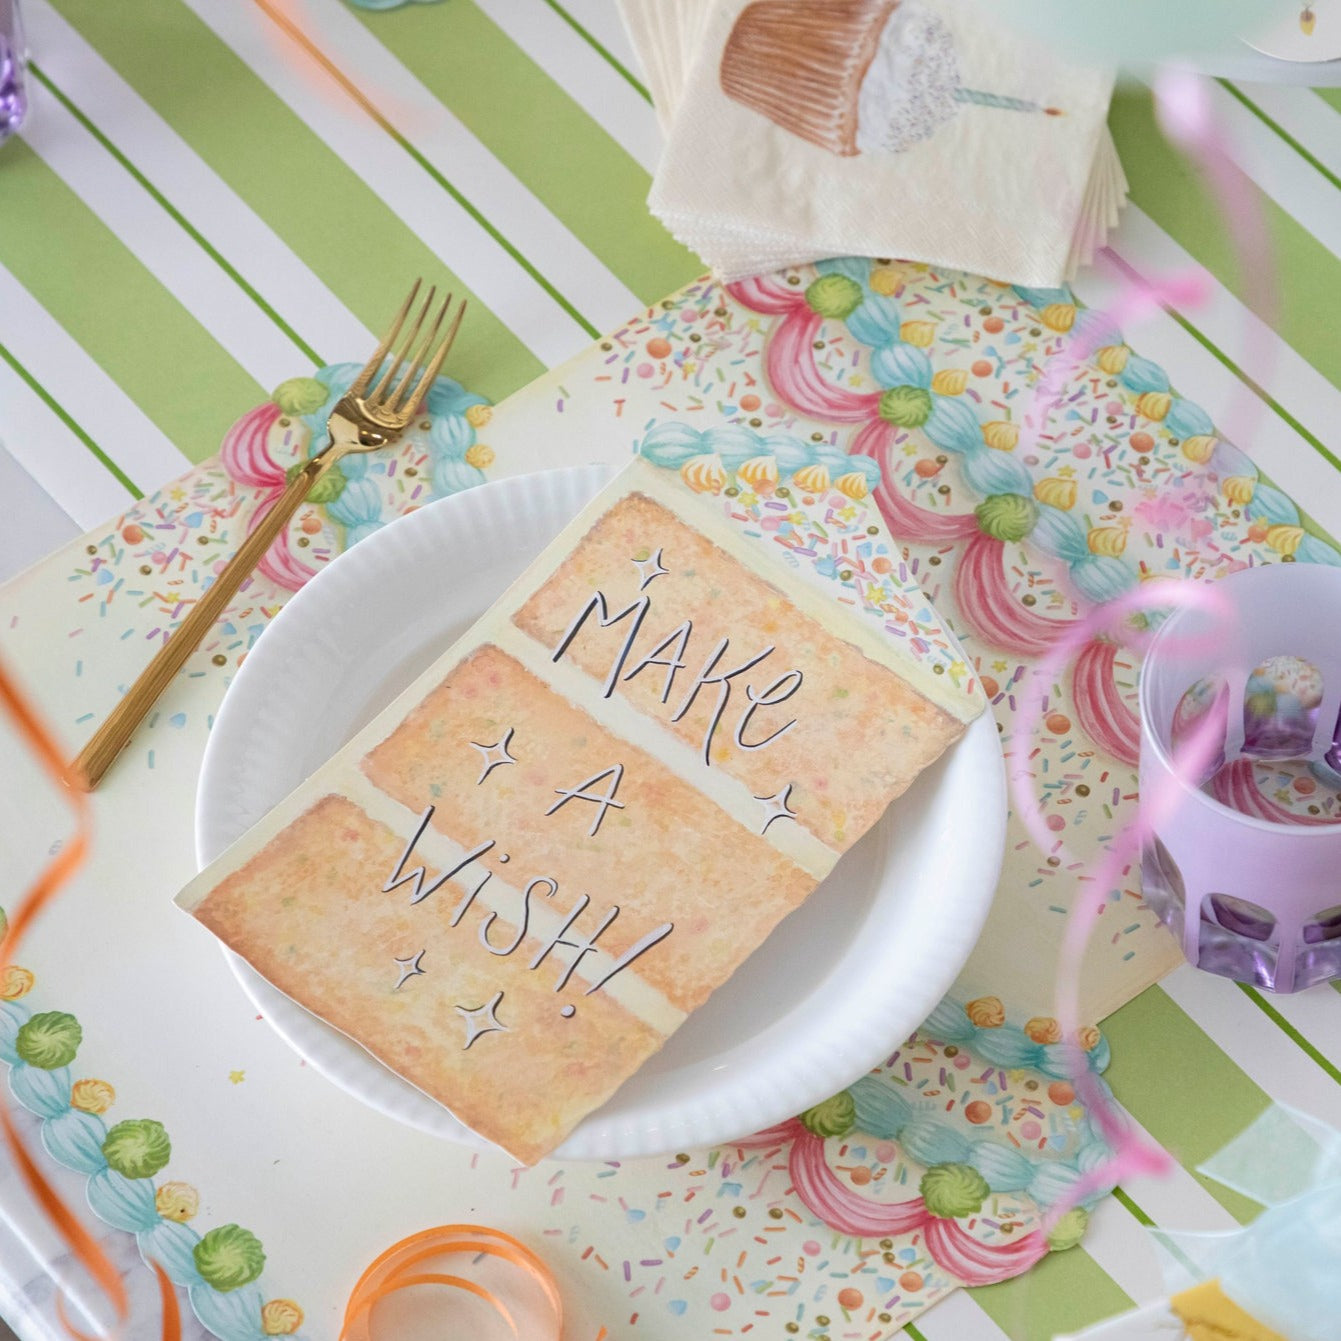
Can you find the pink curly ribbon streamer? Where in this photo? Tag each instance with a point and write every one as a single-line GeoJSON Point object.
{"type": "Point", "coordinates": [246, 457]}
{"type": "Point", "coordinates": [1132, 1155]}
{"type": "Point", "coordinates": [1235, 787]}
{"type": "Point", "coordinates": [838, 1206]}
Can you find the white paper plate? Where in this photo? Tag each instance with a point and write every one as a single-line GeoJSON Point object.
{"type": "Point", "coordinates": [837, 985]}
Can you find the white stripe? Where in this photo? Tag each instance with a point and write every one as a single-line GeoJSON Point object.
{"type": "Point", "coordinates": [447, 143]}
{"type": "Point", "coordinates": [1291, 461]}
{"type": "Point", "coordinates": [601, 19]}
{"type": "Point", "coordinates": [220, 216]}
{"type": "Point", "coordinates": [62, 466]}
{"type": "Point", "coordinates": [443, 225]}
{"type": "Point", "coordinates": [155, 239]}
{"type": "Point", "coordinates": [1175, 1200]}
{"type": "Point", "coordinates": [1316, 1013]}
{"type": "Point", "coordinates": [1294, 184]}
{"type": "Point", "coordinates": [1301, 112]}
{"type": "Point", "coordinates": [89, 395]}
{"type": "Point", "coordinates": [608, 98]}
{"type": "Point", "coordinates": [1122, 1249]}
{"type": "Point", "coordinates": [957, 1317]}
{"type": "Point", "coordinates": [1250, 1040]}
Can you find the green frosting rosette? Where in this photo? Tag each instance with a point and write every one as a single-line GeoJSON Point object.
{"type": "Point", "coordinates": [1007, 516]}
{"type": "Point", "coordinates": [906, 406]}
{"type": "Point", "coordinates": [952, 1191]}
{"type": "Point", "coordinates": [326, 490]}
{"type": "Point", "coordinates": [229, 1257]}
{"type": "Point", "coordinates": [49, 1040]}
{"type": "Point", "coordinates": [300, 395]}
{"type": "Point", "coordinates": [1069, 1229]}
{"type": "Point", "coordinates": [834, 1117]}
{"type": "Point", "coordinates": [834, 296]}
{"type": "Point", "coordinates": [137, 1148]}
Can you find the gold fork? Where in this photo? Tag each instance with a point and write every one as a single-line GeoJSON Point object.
{"type": "Point", "coordinates": [362, 421]}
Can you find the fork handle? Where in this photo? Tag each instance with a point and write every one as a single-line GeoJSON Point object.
{"type": "Point", "coordinates": [111, 737]}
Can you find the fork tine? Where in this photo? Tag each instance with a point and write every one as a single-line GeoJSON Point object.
{"type": "Point", "coordinates": [378, 393]}
{"type": "Point", "coordinates": [396, 400]}
{"type": "Point", "coordinates": [360, 384]}
{"type": "Point", "coordinates": [435, 366]}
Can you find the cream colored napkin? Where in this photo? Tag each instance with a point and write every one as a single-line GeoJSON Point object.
{"type": "Point", "coordinates": [799, 129]}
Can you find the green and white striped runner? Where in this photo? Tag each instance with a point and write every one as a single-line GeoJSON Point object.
{"type": "Point", "coordinates": [199, 210]}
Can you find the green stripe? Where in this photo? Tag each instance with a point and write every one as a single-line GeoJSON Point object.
{"type": "Point", "coordinates": [1289, 1030]}
{"type": "Point", "coordinates": [1330, 95]}
{"type": "Point", "coordinates": [540, 135]}
{"type": "Point", "coordinates": [1124, 1199]}
{"type": "Point", "coordinates": [603, 51]}
{"type": "Point", "coordinates": [1306, 279]}
{"type": "Point", "coordinates": [177, 217]}
{"type": "Point", "coordinates": [123, 317]}
{"type": "Point", "coordinates": [71, 423]}
{"type": "Point", "coordinates": [350, 239]}
{"type": "Point", "coordinates": [1181, 1087]}
{"type": "Point", "coordinates": [1280, 130]}
{"type": "Point", "coordinates": [910, 1331]}
{"type": "Point", "coordinates": [1065, 1292]}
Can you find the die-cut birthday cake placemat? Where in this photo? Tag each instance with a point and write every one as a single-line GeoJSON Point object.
{"type": "Point", "coordinates": [518, 881]}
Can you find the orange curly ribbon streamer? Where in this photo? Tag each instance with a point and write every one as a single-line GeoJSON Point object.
{"type": "Point", "coordinates": [83, 1246]}
{"type": "Point", "coordinates": [396, 1269]}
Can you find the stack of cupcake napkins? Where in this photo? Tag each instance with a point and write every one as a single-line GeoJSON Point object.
{"type": "Point", "coordinates": [919, 129]}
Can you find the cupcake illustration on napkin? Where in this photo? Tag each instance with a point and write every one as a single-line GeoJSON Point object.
{"type": "Point", "coordinates": [852, 76]}
{"type": "Point", "coordinates": [922, 129]}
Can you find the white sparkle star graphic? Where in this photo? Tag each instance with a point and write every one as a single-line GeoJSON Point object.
{"type": "Point", "coordinates": [409, 968]}
{"type": "Point", "coordinates": [649, 569]}
{"type": "Point", "coordinates": [482, 1020]}
{"type": "Point", "coordinates": [495, 756]}
{"type": "Point", "coordinates": [776, 807]}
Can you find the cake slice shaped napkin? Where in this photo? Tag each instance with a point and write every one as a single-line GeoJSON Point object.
{"type": "Point", "coordinates": [521, 878]}
{"type": "Point", "coordinates": [923, 129]}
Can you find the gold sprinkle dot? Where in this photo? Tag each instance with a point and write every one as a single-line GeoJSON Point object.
{"type": "Point", "coordinates": [938, 669]}
{"type": "Point", "coordinates": [950, 1051]}
{"type": "Point", "coordinates": [146, 569]}
{"type": "Point", "coordinates": [819, 344]}
{"type": "Point", "coordinates": [756, 423]}
{"type": "Point", "coordinates": [1082, 789]}
{"type": "Point", "coordinates": [822, 1319]}
{"type": "Point", "coordinates": [934, 561]}
{"type": "Point", "coordinates": [202, 540]}
{"type": "Point", "coordinates": [303, 541]}
{"type": "Point", "coordinates": [1054, 861]}
{"type": "Point", "coordinates": [606, 345]}
{"type": "Point", "coordinates": [775, 1212]}
{"type": "Point", "coordinates": [793, 279]}
{"type": "Point", "coordinates": [682, 1158]}
{"type": "Point", "coordinates": [410, 470]}
{"type": "Point", "coordinates": [219, 659]}
{"type": "Point", "coordinates": [694, 337]}
{"type": "Point", "coordinates": [1030, 599]}
{"type": "Point", "coordinates": [283, 422]}
{"type": "Point", "coordinates": [886, 1243]}
{"type": "Point", "coordinates": [90, 549]}
{"type": "Point", "coordinates": [738, 1212]}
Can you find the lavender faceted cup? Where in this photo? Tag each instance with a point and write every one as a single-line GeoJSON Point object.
{"type": "Point", "coordinates": [13, 55]}
{"type": "Point", "coordinates": [1251, 898]}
